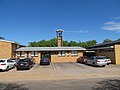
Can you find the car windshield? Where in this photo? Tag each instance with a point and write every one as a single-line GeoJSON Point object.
{"type": "Point", "coordinates": [45, 58]}
{"type": "Point", "coordinates": [2, 60]}
{"type": "Point", "coordinates": [105, 57]}
{"type": "Point", "coordinates": [13, 59]}
{"type": "Point", "coordinates": [100, 58]}
{"type": "Point", "coordinates": [23, 60]}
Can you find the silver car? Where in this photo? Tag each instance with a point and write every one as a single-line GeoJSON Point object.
{"type": "Point", "coordinates": [108, 60]}
{"type": "Point", "coordinates": [97, 61]}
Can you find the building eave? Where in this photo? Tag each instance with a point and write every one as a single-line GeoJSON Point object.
{"type": "Point", "coordinates": [110, 47]}
{"type": "Point", "coordinates": [105, 44]}
{"type": "Point", "coordinates": [49, 48]}
{"type": "Point", "coordinates": [11, 42]}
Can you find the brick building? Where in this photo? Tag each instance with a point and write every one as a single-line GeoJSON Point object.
{"type": "Point", "coordinates": [10, 49]}
{"type": "Point", "coordinates": [7, 49]}
{"type": "Point", "coordinates": [110, 50]}
{"type": "Point", "coordinates": [56, 54]}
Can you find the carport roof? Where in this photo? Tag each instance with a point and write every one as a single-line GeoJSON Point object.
{"type": "Point", "coordinates": [49, 48]}
{"type": "Point", "coordinates": [105, 44]}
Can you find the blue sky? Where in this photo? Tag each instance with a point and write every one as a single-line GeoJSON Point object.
{"type": "Point", "coordinates": [82, 20]}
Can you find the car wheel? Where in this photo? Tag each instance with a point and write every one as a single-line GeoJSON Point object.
{"type": "Point", "coordinates": [103, 65]}
{"type": "Point", "coordinates": [81, 62]}
{"type": "Point", "coordinates": [86, 62]}
{"type": "Point", "coordinates": [7, 68]}
{"type": "Point", "coordinates": [93, 64]}
{"type": "Point", "coordinates": [28, 68]}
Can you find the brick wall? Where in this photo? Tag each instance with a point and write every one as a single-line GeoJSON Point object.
{"type": "Point", "coordinates": [117, 54]}
{"type": "Point", "coordinates": [59, 41]}
{"type": "Point", "coordinates": [28, 54]}
{"type": "Point", "coordinates": [67, 58]}
{"type": "Point", "coordinates": [5, 50]}
{"type": "Point", "coordinates": [55, 57]}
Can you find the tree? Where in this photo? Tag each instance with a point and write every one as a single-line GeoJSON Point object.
{"type": "Point", "coordinates": [65, 43]}
{"type": "Point", "coordinates": [53, 43]}
{"type": "Point", "coordinates": [118, 39]}
{"type": "Point", "coordinates": [107, 40]}
{"type": "Point", "coordinates": [73, 43]}
{"type": "Point", "coordinates": [44, 43]}
{"type": "Point", "coordinates": [2, 38]}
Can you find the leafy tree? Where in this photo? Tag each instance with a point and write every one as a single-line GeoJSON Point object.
{"type": "Point", "coordinates": [44, 43]}
{"type": "Point", "coordinates": [107, 40]}
{"type": "Point", "coordinates": [73, 43]}
{"type": "Point", "coordinates": [53, 43]}
{"type": "Point", "coordinates": [118, 39]}
{"type": "Point", "coordinates": [66, 43]}
{"type": "Point", "coordinates": [2, 38]}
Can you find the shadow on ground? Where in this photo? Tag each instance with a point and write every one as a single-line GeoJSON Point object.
{"type": "Point", "coordinates": [12, 86]}
{"type": "Point", "coordinates": [107, 85]}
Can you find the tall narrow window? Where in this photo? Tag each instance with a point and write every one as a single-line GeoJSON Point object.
{"type": "Point", "coordinates": [21, 53]}
{"type": "Point", "coordinates": [61, 53]}
{"type": "Point", "coordinates": [18, 53]}
{"type": "Point", "coordinates": [34, 53]}
{"type": "Point", "coordinates": [74, 53]}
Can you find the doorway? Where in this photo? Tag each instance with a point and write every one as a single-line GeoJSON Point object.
{"type": "Point", "coordinates": [46, 54]}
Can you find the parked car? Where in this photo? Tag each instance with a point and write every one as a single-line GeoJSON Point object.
{"type": "Point", "coordinates": [45, 61]}
{"type": "Point", "coordinates": [108, 60]}
{"type": "Point", "coordinates": [82, 59]}
{"type": "Point", "coordinates": [15, 60]}
{"type": "Point", "coordinates": [97, 61]}
{"type": "Point", "coordinates": [26, 63]}
{"type": "Point", "coordinates": [6, 64]}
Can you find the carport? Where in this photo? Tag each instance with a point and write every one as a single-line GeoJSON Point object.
{"type": "Point", "coordinates": [110, 50]}
{"type": "Point", "coordinates": [89, 53]}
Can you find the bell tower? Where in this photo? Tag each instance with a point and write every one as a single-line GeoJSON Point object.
{"type": "Point", "coordinates": [59, 37]}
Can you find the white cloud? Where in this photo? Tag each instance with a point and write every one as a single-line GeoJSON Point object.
{"type": "Point", "coordinates": [110, 22]}
{"type": "Point", "coordinates": [115, 18]}
{"type": "Point", "coordinates": [80, 31]}
{"type": "Point", "coordinates": [112, 26]}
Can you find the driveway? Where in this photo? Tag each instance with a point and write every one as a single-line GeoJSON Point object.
{"type": "Point", "coordinates": [71, 68]}
{"type": "Point", "coordinates": [59, 71]}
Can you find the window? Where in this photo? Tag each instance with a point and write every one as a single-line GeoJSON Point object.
{"type": "Point", "coordinates": [2, 60]}
{"type": "Point", "coordinates": [9, 61]}
{"type": "Point", "coordinates": [61, 53]}
{"type": "Point", "coordinates": [34, 53]}
{"type": "Point", "coordinates": [21, 53]}
{"type": "Point", "coordinates": [74, 53]}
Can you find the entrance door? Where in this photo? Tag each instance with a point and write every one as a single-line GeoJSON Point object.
{"type": "Point", "coordinates": [46, 54]}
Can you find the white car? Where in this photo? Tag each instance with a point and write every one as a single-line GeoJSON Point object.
{"type": "Point", "coordinates": [97, 61]}
{"type": "Point", "coordinates": [6, 64]}
{"type": "Point", "coordinates": [15, 60]}
{"type": "Point", "coordinates": [108, 60]}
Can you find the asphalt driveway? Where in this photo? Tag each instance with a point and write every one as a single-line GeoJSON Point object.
{"type": "Point", "coordinates": [56, 71]}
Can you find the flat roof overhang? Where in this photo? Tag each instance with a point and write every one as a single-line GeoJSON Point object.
{"type": "Point", "coordinates": [110, 47]}
{"type": "Point", "coordinates": [50, 49]}
{"type": "Point", "coordinates": [89, 51]}
{"type": "Point", "coordinates": [105, 44]}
